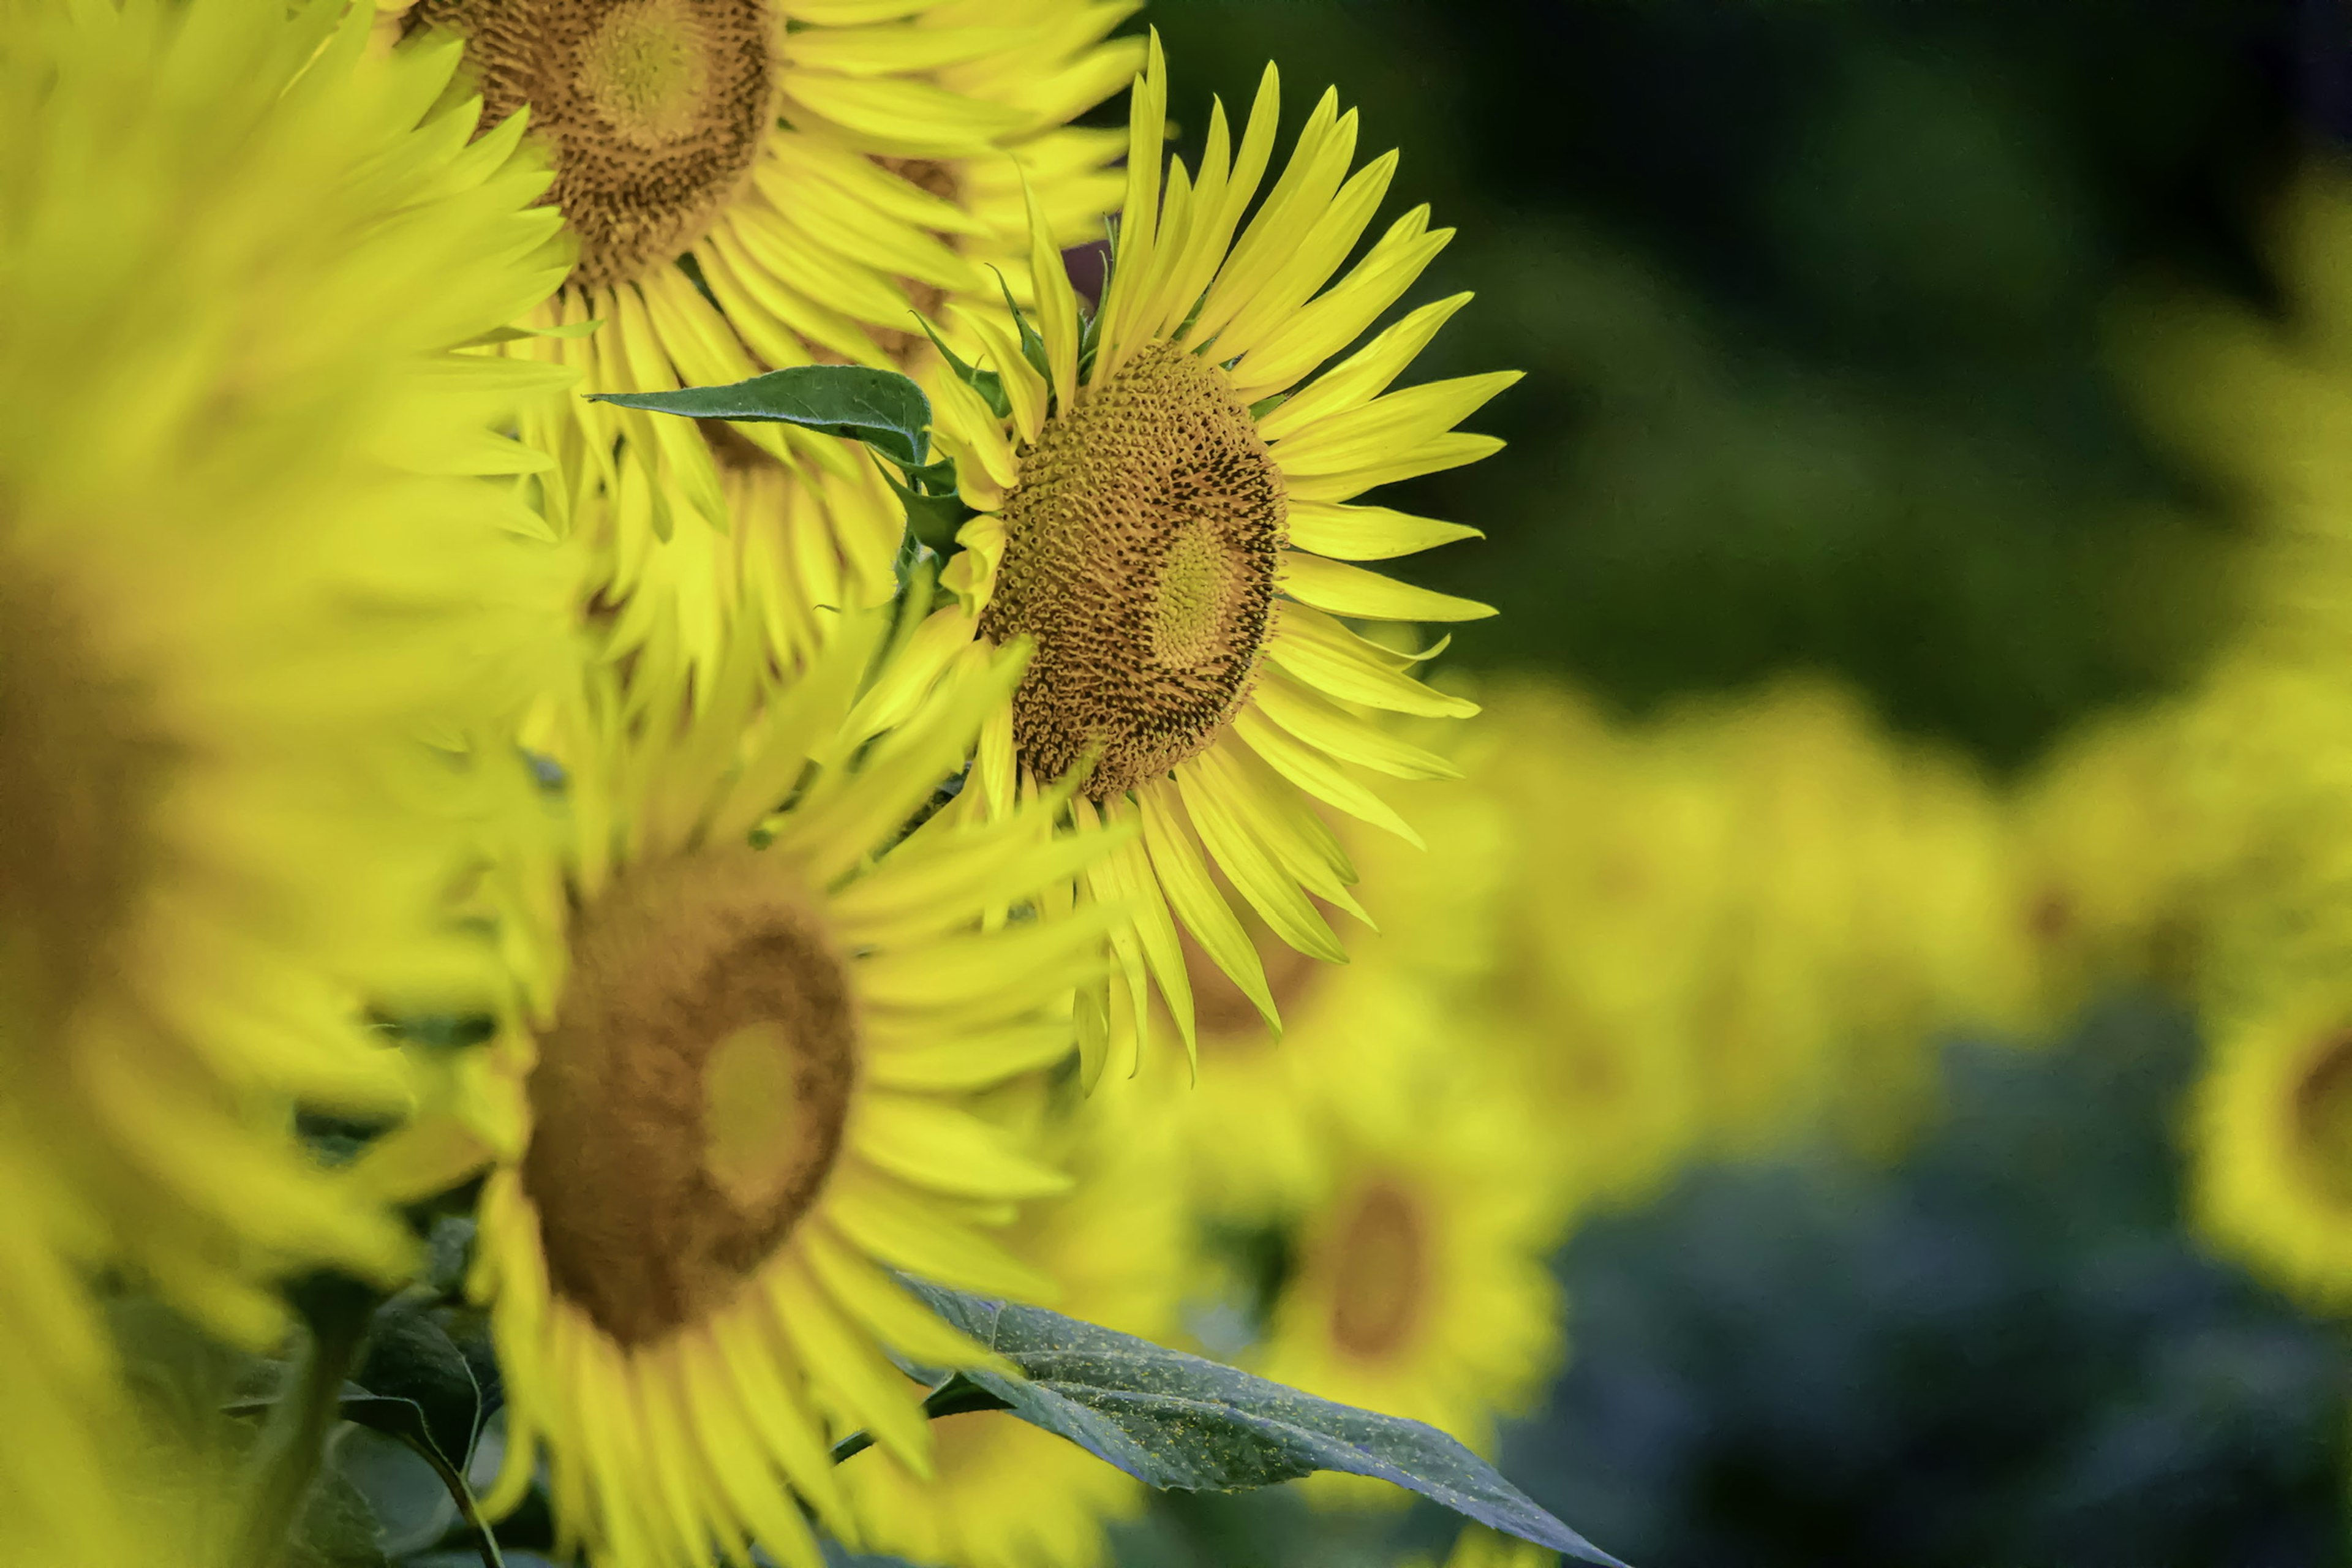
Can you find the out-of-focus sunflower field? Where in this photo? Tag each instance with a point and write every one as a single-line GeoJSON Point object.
{"type": "Point", "coordinates": [745, 815]}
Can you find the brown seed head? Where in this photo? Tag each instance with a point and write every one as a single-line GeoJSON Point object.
{"type": "Point", "coordinates": [83, 763]}
{"type": "Point", "coordinates": [690, 1100]}
{"type": "Point", "coordinates": [654, 110]}
{"type": "Point", "coordinates": [1140, 548]}
{"type": "Point", "coordinates": [1380, 1272]}
{"type": "Point", "coordinates": [2323, 1117]}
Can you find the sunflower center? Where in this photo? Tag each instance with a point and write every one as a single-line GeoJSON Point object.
{"type": "Point", "coordinates": [1140, 548]}
{"type": "Point", "coordinates": [1382, 1273]}
{"type": "Point", "coordinates": [654, 111]}
{"type": "Point", "coordinates": [690, 1100]}
{"type": "Point", "coordinates": [82, 765]}
{"type": "Point", "coordinates": [2323, 1118]}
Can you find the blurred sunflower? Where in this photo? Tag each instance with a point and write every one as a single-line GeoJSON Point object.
{"type": "Point", "coordinates": [2272, 1130]}
{"type": "Point", "coordinates": [737, 1094]}
{"type": "Point", "coordinates": [761, 183]}
{"type": "Point", "coordinates": [1421, 1285]}
{"type": "Point", "coordinates": [247, 558]}
{"type": "Point", "coordinates": [1608, 880]}
{"type": "Point", "coordinates": [1162, 518]}
{"type": "Point", "coordinates": [1478, 1547]}
{"type": "Point", "coordinates": [2110, 835]}
{"type": "Point", "coordinates": [1003, 1493]}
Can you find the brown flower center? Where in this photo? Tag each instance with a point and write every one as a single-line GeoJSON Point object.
{"type": "Point", "coordinates": [2323, 1118]}
{"type": "Point", "coordinates": [690, 1100]}
{"type": "Point", "coordinates": [654, 109]}
{"type": "Point", "coordinates": [1141, 547]}
{"type": "Point", "coordinates": [1381, 1273]}
{"type": "Point", "coordinates": [82, 765]}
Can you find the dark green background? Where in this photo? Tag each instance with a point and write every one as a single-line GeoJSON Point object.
{"type": "Point", "coordinates": [1823, 306]}
{"type": "Point", "coordinates": [1815, 300]}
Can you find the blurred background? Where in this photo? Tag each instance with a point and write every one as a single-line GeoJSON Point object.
{"type": "Point", "coordinates": [1835, 445]}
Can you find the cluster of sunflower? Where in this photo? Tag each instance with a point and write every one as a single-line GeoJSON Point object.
{"type": "Point", "coordinates": [639, 913]}
{"type": "Point", "coordinates": [2238, 788]}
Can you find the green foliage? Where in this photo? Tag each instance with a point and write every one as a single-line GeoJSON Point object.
{"type": "Point", "coordinates": [1178, 1421]}
{"type": "Point", "coordinates": [880, 407]}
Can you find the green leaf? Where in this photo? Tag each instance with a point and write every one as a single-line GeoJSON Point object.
{"type": "Point", "coordinates": [405, 1420]}
{"type": "Point", "coordinates": [337, 1528]}
{"type": "Point", "coordinates": [880, 407]}
{"type": "Point", "coordinates": [411, 1358]}
{"type": "Point", "coordinates": [1178, 1421]}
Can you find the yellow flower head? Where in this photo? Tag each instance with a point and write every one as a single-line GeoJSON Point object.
{"type": "Point", "coordinates": [738, 1096]}
{"type": "Point", "coordinates": [1164, 520]}
{"type": "Point", "coordinates": [247, 558]}
{"type": "Point", "coordinates": [2273, 1141]}
{"type": "Point", "coordinates": [762, 183]}
{"type": "Point", "coordinates": [1422, 1285]}
{"type": "Point", "coordinates": [2111, 835]}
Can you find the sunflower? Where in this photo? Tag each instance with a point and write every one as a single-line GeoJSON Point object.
{"type": "Point", "coordinates": [247, 558]}
{"type": "Point", "coordinates": [761, 183]}
{"type": "Point", "coordinates": [1255, 1129]}
{"type": "Point", "coordinates": [2272, 1137]}
{"type": "Point", "coordinates": [1161, 515]}
{"type": "Point", "coordinates": [1478, 1547]}
{"type": "Point", "coordinates": [1607, 885]}
{"type": "Point", "coordinates": [730, 1091]}
{"type": "Point", "coordinates": [1004, 1494]}
{"type": "Point", "coordinates": [2110, 832]}
{"type": "Point", "coordinates": [1421, 1287]}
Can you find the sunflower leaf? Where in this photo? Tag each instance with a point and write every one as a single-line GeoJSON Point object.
{"type": "Point", "coordinates": [1178, 1421]}
{"type": "Point", "coordinates": [880, 407]}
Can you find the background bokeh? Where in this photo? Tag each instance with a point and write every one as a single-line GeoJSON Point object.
{"type": "Point", "coordinates": [1819, 302]}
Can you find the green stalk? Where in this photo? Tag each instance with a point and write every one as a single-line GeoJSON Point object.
{"type": "Point", "coordinates": [294, 1444]}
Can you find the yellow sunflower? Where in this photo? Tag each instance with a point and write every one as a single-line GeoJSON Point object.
{"type": "Point", "coordinates": [1609, 884]}
{"type": "Point", "coordinates": [247, 557]}
{"type": "Point", "coordinates": [1422, 1286]}
{"type": "Point", "coordinates": [1255, 1129]}
{"type": "Point", "coordinates": [1478, 1547]}
{"type": "Point", "coordinates": [761, 183]}
{"type": "Point", "coordinates": [734, 1092]}
{"type": "Point", "coordinates": [1162, 516]}
{"type": "Point", "coordinates": [2111, 836]}
{"type": "Point", "coordinates": [2272, 1139]}
{"type": "Point", "coordinates": [1003, 1493]}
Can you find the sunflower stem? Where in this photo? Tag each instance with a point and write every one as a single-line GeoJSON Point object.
{"type": "Point", "coordinates": [957, 1396]}
{"type": "Point", "coordinates": [294, 1444]}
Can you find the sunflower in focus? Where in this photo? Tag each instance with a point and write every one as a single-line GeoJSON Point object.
{"type": "Point", "coordinates": [1003, 1493]}
{"type": "Point", "coordinates": [2272, 1130]}
{"type": "Point", "coordinates": [1164, 517]}
{"type": "Point", "coordinates": [254, 545]}
{"type": "Point", "coordinates": [1422, 1285]}
{"type": "Point", "coordinates": [733, 1092]}
{"type": "Point", "coordinates": [755, 184]}
{"type": "Point", "coordinates": [1255, 1129]}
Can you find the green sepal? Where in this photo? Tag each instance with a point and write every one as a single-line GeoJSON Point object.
{"type": "Point", "coordinates": [882, 409]}
{"type": "Point", "coordinates": [1032, 343]}
{"type": "Point", "coordinates": [935, 511]}
{"type": "Point", "coordinates": [987, 382]}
